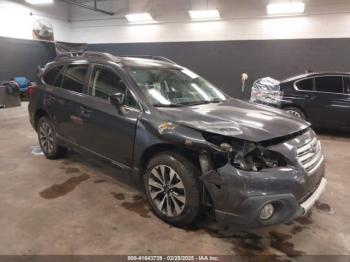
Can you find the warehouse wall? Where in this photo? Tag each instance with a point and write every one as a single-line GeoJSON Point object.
{"type": "Point", "coordinates": [222, 62]}
{"type": "Point", "coordinates": [19, 54]}
{"type": "Point", "coordinates": [17, 18]}
{"type": "Point", "coordinates": [20, 57]}
{"type": "Point", "coordinates": [245, 40]}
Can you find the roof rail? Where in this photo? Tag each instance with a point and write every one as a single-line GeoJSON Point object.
{"type": "Point", "coordinates": [155, 57]}
{"type": "Point", "coordinates": [86, 54]}
{"type": "Point", "coordinates": [90, 54]}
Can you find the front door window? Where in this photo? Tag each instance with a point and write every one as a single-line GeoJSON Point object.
{"type": "Point", "coordinates": [105, 82]}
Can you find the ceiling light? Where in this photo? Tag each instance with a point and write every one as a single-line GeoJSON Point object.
{"type": "Point", "coordinates": [39, 2]}
{"type": "Point", "coordinates": [285, 8]}
{"type": "Point", "coordinates": [204, 14]}
{"type": "Point", "coordinates": [139, 18]}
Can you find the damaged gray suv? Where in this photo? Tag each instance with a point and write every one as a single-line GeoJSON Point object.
{"type": "Point", "coordinates": [193, 145]}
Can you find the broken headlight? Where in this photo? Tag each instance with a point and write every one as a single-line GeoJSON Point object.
{"type": "Point", "coordinates": [254, 157]}
{"type": "Point", "coordinates": [243, 154]}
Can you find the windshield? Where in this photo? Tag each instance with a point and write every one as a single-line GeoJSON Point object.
{"type": "Point", "coordinates": [175, 87]}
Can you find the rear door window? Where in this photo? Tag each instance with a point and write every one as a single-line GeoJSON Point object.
{"type": "Point", "coordinates": [74, 77]}
{"type": "Point", "coordinates": [331, 84]}
{"type": "Point", "coordinates": [306, 84]}
{"type": "Point", "coordinates": [50, 77]}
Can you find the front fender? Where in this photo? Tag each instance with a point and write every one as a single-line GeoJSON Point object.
{"type": "Point", "coordinates": [151, 132]}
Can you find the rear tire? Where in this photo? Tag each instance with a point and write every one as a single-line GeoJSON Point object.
{"type": "Point", "coordinates": [172, 188]}
{"type": "Point", "coordinates": [295, 112]}
{"type": "Point", "coordinates": [48, 141]}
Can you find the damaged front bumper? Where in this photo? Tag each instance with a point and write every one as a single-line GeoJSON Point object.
{"type": "Point", "coordinates": [238, 196]}
{"type": "Point", "coordinates": [309, 203]}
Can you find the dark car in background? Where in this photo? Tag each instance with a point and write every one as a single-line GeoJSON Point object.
{"type": "Point", "coordinates": [323, 99]}
{"type": "Point", "coordinates": [193, 145]}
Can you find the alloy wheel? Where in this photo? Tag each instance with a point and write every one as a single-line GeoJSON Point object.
{"type": "Point", "coordinates": [294, 113]}
{"type": "Point", "coordinates": [167, 190]}
{"type": "Point", "coordinates": [46, 137]}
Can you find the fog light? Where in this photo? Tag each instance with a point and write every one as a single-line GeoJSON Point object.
{"type": "Point", "coordinates": [266, 212]}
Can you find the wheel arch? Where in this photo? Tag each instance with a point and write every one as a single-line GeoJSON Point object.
{"type": "Point", "coordinates": [155, 149]}
{"type": "Point", "coordinates": [38, 114]}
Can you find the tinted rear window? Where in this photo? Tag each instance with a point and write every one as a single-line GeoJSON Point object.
{"type": "Point", "coordinates": [333, 84]}
{"type": "Point", "coordinates": [74, 77]}
{"type": "Point", "coordinates": [51, 76]}
{"type": "Point", "coordinates": [306, 84]}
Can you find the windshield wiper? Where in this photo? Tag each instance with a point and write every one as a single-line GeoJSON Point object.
{"type": "Point", "coordinates": [216, 100]}
{"type": "Point", "coordinates": [202, 102]}
{"type": "Point", "coordinates": [193, 103]}
{"type": "Point", "coordinates": [168, 105]}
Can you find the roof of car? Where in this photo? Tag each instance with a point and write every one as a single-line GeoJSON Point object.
{"type": "Point", "coordinates": [311, 74]}
{"type": "Point", "coordinates": [128, 61]}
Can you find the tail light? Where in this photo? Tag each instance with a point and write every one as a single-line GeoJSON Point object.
{"type": "Point", "coordinates": [31, 90]}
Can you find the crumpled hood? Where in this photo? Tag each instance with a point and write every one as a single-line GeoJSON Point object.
{"type": "Point", "coordinates": [236, 118]}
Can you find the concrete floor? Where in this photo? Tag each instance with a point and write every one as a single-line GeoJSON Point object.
{"type": "Point", "coordinates": [82, 206]}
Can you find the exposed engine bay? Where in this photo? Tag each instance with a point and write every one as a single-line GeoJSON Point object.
{"type": "Point", "coordinates": [244, 155]}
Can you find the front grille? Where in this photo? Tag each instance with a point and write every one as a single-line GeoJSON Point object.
{"type": "Point", "coordinates": [310, 155]}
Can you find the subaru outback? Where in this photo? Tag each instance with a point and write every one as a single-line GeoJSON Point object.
{"type": "Point", "coordinates": [193, 145]}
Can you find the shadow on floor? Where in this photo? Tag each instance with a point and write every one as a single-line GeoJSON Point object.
{"type": "Point", "coordinates": [105, 168]}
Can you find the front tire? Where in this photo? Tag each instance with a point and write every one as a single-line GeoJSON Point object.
{"type": "Point", "coordinates": [47, 139]}
{"type": "Point", "coordinates": [172, 188]}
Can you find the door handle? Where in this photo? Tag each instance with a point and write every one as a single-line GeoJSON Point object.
{"type": "Point", "coordinates": [85, 111]}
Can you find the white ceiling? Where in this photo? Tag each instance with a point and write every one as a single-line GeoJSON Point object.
{"type": "Point", "coordinates": [165, 10]}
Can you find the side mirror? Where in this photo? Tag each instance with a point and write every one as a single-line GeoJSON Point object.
{"type": "Point", "coordinates": [117, 99]}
